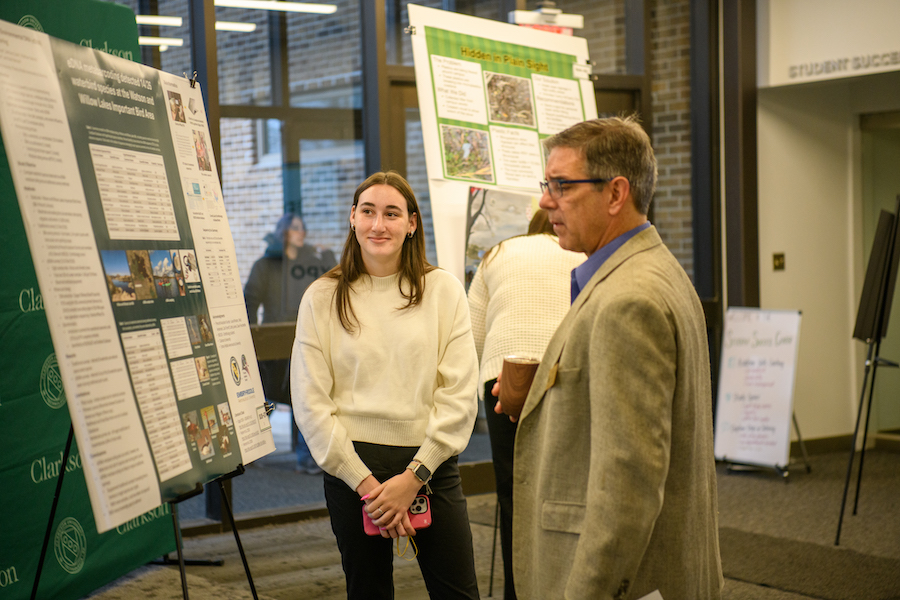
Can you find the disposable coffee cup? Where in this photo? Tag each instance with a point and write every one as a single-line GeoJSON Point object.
{"type": "Point", "coordinates": [515, 381]}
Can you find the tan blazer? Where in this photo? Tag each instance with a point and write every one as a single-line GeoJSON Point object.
{"type": "Point", "coordinates": [615, 488]}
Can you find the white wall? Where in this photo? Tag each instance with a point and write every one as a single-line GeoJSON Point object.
{"type": "Point", "coordinates": [810, 208]}
{"type": "Point", "coordinates": [805, 150]}
{"type": "Point", "coordinates": [815, 40]}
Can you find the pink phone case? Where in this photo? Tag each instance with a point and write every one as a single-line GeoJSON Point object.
{"type": "Point", "coordinates": [419, 516]}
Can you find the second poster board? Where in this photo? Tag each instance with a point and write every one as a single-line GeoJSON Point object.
{"type": "Point", "coordinates": [489, 93]}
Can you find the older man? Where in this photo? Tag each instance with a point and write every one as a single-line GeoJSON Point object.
{"type": "Point", "coordinates": [615, 489]}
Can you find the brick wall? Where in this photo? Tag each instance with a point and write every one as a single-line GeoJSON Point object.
{"type": "Point", "coordinates": [670, 22]}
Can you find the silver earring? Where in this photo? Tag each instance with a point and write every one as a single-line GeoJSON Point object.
{"type": "Point", "coordinates": [410, 234]}
{"type": "Point", "coordinates": [352, 227]}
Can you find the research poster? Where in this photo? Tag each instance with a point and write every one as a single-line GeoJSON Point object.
{"type": "Point", "coordinates": [488, 94]}
{"type": "Point", "coordinates": [756, 386]}
{"type": "Point", "coordinates": [34, 415]}
{"type": "Point", "coordinates": [121, 203]}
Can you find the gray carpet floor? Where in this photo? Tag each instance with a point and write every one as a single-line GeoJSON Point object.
{"type": "Point", "coordinates": [777, 542]}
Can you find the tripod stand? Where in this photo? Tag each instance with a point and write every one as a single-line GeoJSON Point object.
{"type": "Point", "coordinates": [871, 327]}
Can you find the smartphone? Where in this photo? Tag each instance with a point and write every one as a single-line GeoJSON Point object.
{"type": "Point", "coordinates": [419, 516]}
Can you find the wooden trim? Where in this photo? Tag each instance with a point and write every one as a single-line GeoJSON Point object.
{"type": "Point", "coordinates": [273, 341]}
{"type": "Point", "coordinates": [739, 144]}
{"type": "Point", "coordinates": [838, 443]}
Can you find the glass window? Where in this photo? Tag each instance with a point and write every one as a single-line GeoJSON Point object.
{"type": "Point", "coordinates": [330, 171]}
{"type": "Point", "coordinates": [175, 59]}
{"type": "Point", "coordinates": [268, 140]}
{"type": "Point", "coordinates": [252, 189]}
{"type": "Point", "coordinates": [245, 69]}
{"type": "Point", "coordinates": [324, 57]}
{"type": "Point", "coordinates": [418, 178]}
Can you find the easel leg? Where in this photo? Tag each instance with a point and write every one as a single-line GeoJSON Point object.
{"type": "Point", "coordinates": [178, 544]}
{"type": "Point", "coordinates": [862, 399]}
{"type": "Point", "coordinates": [59, 482]}
{"type": "Point", "coordinates": [802, 445]}
{"type": "Point", "coordinates": [862, 455]}
{"type": "Point", "coordinates": [237, 538]}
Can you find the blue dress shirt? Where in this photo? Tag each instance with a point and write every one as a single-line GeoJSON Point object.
{"type": "Point", "coordinates": [583, 272]}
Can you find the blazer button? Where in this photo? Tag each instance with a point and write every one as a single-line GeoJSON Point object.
{"type": "Point", "coordinates": [623, 589]}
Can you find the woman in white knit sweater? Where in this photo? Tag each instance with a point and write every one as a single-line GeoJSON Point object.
{"type": "Point", "coordinates": [383, 378]}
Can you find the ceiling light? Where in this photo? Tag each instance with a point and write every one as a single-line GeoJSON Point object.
{"type": "Point", "coordinates": [144, 40]}
{"type": "Point", "coordinates": [158, 20]}
{"type": "Point", "coordinates": [232, 26]}
{"type": "Point", "coordinates": [307, 7]}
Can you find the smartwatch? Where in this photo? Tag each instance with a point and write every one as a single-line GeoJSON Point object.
{"type": "Point", "coordinates": [420, 471]}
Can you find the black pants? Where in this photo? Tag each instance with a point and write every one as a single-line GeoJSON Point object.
{"type": "Point", "coordinates": [445, 557]}
{"type": "Point", "coordinates": [503, 439]}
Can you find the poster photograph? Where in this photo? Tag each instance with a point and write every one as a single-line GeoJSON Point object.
{"type": "Point", "coordinates": [493, 216]}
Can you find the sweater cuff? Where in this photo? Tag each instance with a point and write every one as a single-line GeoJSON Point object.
{"type": "Point", "coordinates": [432, 455]}
{"type": "Point", "coordinates": [353, 471]}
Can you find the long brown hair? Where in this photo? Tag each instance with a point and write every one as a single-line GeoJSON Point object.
{"type": "Point", "coordinates": [540, 223]}
{"type": "Point", "coordinates": [413, 265]}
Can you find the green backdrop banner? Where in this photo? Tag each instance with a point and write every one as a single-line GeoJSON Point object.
{"type": "Point", "coordinates": [34, 418]}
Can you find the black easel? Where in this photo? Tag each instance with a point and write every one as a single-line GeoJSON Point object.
{"type": "Point", "coordinates": [174, 506]}
{"type": "Point", "coordinates": [59, 482]}
{"type": "Point", "coordinates": [237, 538]}
{"type": "Point", "coordinates": [871, 327]}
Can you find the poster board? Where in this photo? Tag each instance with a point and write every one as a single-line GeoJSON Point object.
{"type": "Point", "coordinates": [34, 417]}
{"type": "Point", "coordinates": [489, 93]}
{"type": "Point", "coordinates": [756, 386]}
{"type": "Point", "coordinates": [123, 211]}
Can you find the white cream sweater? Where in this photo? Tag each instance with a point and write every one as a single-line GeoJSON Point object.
{"type": "Point", "coordinates": [518, 299]}
{"type": "Point", "coordinates": [403, 378]}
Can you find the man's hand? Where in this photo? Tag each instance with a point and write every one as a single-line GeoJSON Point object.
{"type": "Point", "coordinates": [496, 392]}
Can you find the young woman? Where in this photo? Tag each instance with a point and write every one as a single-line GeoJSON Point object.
{"type": "Point", "coordinates": [383, 379]}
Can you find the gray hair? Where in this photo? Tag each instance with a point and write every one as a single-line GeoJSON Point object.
{"type": "Point", "coordinates": [612, 147]}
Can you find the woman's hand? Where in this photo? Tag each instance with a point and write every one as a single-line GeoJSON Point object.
{"type": "Point", "coordinates": [366, 486]}
{"type": "Point", "coordinates": [388, 504]}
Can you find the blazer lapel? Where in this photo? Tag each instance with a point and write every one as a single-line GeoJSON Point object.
{"type": "Point", "coordinates": [545, 377]}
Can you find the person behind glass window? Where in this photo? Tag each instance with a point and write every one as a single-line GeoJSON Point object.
{"type": "Point", "coordinates": [276, 283]}
{"type": "Point", "coordinates": [383, 375]}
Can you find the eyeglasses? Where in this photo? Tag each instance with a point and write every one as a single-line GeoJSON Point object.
{"type": "Point", "coordinates": [554, 187]}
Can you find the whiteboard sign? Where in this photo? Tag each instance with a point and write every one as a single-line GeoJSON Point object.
{"type": "Point", "coordinates": [756, 386]}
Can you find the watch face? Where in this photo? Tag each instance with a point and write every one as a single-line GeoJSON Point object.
{"type": "Point", "coordinates": [423, 473]}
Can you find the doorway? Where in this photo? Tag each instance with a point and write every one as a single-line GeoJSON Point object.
{"type": "Point", "coordinates": [880, 174]}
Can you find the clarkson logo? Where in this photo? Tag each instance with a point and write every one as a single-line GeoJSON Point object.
{"type": "Point", "coordinates": [51, 383]}
{"type": "Point", "coordinates": [70, 545]}
{"type": "Point", "coordinates": [31, 22]}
